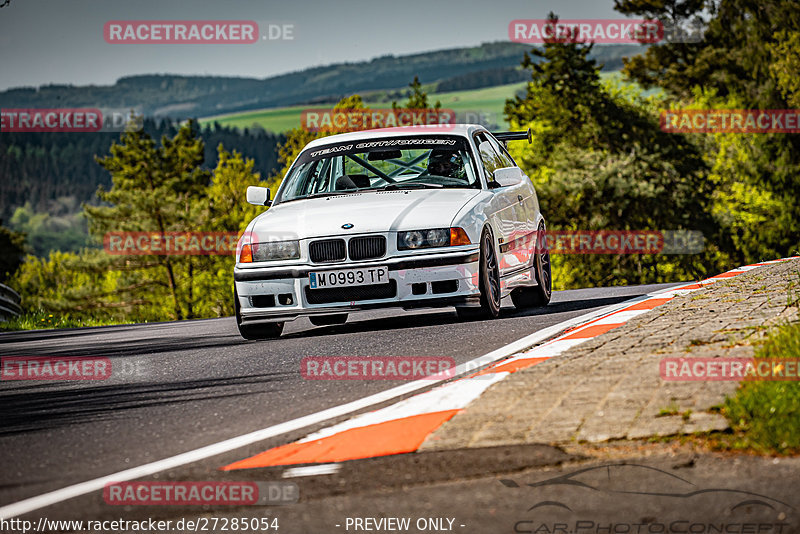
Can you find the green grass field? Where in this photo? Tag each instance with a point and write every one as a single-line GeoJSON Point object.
{"type": "Point", "coordinates": [488, 101]}
{"type": "Point", "coordinates": [476, 105]}
{"type": "Point", "coordinates": [273, 119]}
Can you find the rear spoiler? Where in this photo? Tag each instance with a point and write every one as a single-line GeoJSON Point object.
{"type": "Point", "coordinates": [514, 136]}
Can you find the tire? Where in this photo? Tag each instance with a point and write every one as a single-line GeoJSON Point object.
{"type": "Point", "coordinates": [489, 283]}
{"type": "Point", "coordinates": [538, 296]}
{"type": "Point", "coordinates": [261, 331]}
{"type": "Point", "coordinates": [328, 320]}
{"type": "Point", "coordinates": [255, 331]}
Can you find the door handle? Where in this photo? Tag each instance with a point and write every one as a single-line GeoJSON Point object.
{"type": "Point", "coordinates": [519, 197]}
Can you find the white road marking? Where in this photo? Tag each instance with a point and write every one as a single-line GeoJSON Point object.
{"type": "Point", "coordinates": [312, 470]}
{"type": "Point", "coordinates": [453, 396]}
{"type": "Point", "coordinates": [620, 317]}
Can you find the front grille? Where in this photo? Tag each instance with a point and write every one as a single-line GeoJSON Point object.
{"type": "Point", "coordinates": [351, 294]}
{"type": "Point", "coordinates": [327, 250]}
{"type": "Point", "coordinates": [366, 248]}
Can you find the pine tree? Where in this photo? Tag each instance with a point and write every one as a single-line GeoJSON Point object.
{"type": "Point", "coordinates": [155, 189]}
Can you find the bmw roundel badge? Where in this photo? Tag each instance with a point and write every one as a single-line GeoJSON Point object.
{"type": "Point", "coordinates": [347, 226]}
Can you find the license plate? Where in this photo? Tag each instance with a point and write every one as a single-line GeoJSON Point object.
{"type": "Point", "coordinates": [349, 277]}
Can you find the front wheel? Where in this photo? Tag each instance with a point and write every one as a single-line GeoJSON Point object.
{"type": "Point", "coordinates": [255, 331]}
{"type": "Point", "coordinates": [489, 282]}
{"type": "Point", "coordinates": [261, 331]}
{"type": "Point", "coordinates": [532, 297]}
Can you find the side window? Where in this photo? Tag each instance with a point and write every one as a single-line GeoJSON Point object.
{"type": "Point", "coordinates": [502, 152]}
{"type": "Point", "coordinates": [489, 157]}
{"type": "Point", "coordinates": [301, 179]}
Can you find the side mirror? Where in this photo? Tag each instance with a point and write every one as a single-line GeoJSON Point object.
{"type": "Point", "coordinates": [258, 195]}
{"type": "Point", "coordinates": [508, 176]}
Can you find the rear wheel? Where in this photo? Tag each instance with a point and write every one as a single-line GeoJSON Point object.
{"type": "Point", "coordinates": [255, 331]}
{"type": "Point", "coordinates": [489, 282]}
{"type": "Point", "coordinates": [532, 297]}
{"type": "Point", "coordinates": [328, 320]}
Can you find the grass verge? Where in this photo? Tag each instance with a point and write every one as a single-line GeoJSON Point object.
{"type": "Point", "coordinates": [40, 320]}
{"type": "Point", "coordinates": [765, 416]}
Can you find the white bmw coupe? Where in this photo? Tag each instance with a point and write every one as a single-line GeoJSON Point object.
{"type": "Point", "coordinates": [398, 217]}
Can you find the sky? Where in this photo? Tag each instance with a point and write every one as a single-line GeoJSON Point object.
{"type": "Point", "coordinates": [61, 41]}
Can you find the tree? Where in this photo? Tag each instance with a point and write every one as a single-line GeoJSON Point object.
{"type": "Point", "coordinates": [155, 189]}
{"type": "Point", "coordinates": [785, 53]}
{"type": "Point", "coordinates": [227, 211]}
{"type": "Point", "coordinates": [417, 97]}
{"type": "Point", "coordinates": [13, 246]}
{"type": "Point", "coordinates": [744, 60]}
{"type": "Point", "coordinates": [298, 138]}
{"type": "Point", "coordinates": [732, 57]}
{"type": "Point", "coordinates": [600, 161]}
{"type": "Point", "coordinates": [95, 284]}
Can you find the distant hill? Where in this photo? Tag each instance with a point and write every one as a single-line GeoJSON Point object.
{"type": "Point", "coordinates": [47, 170]}
{"type": "Point", "coordinates": [195, 96]}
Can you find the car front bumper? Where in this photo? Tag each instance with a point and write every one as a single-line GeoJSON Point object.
{"type": "Point", "coordinates": [422, 280]}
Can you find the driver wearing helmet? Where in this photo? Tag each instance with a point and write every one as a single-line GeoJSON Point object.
{"type": "Point", "coordinates": [445, 163]}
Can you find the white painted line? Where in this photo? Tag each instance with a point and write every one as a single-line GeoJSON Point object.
{"type": "Point", "coordinates": [312, 470]}
{"type": "Point", "coordinates": [548, 350]}
{"type": "Point", "coordinates": [451, 396]}
{"type": "Point", "coordinates": [621, 317]}
{"type": "Point", "coordinates": [56, 496]}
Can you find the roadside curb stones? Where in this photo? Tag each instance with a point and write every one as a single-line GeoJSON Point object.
{"type": "Point", "coordinates": [609, 387]}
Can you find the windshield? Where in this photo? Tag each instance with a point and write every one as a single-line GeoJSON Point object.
{"type": "Point", "coordinates": [393, 163]}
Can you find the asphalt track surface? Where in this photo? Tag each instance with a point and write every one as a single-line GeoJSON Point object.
{"type": "Point", "coordinates": [195, 383]}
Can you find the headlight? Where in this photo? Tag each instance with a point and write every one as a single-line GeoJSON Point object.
{"type": "Point", "coordinates": [406, 240]}
{"type": "Point", "coordinates": [276, 250]}
{"type": "Point", "coordinates": [437, 237]}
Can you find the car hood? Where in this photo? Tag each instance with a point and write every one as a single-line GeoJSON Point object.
{"type": "Point", "coordinates": [378, 211]}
